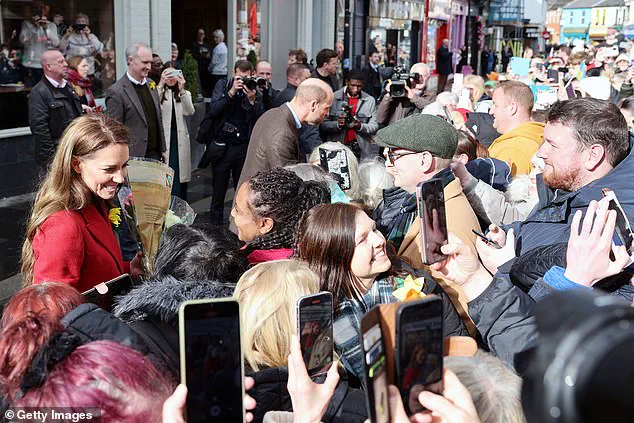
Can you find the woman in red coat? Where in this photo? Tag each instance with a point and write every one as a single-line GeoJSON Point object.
{"type": "Point", "coordinates": [70, 237]}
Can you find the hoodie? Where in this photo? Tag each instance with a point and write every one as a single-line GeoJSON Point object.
{"type": "Point", "coordinates": [517, 147]}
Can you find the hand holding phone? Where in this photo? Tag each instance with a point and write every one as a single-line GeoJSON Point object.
{"type": "Point", "coordinates": [375, 366]}
{"type": "Point", "coordinates": [314, 329]}
{"type": "Point", "coordinates": [486, 240]}
{"type": "Point", "coordinates": [211, 360]}
{"type": "Point", "coordinates": [419, 350]}
{"type": "Point", "coordinates": [433, 221]}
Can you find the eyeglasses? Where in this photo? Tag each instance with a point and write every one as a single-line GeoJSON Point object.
{"type": "Point", "coordinates": [391, 156]}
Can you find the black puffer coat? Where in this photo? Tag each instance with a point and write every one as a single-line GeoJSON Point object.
{"type": "Point", "coordinates": [151, 309]}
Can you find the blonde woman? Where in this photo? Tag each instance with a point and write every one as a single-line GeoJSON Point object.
{"type": "Point", "coordinates": [176, 103]}
{"type": "Point", "coordinates": [70, 236]}
{"type": "Point", "coordinates": [268, 295]}
{"type": "Point", "coordinates": [475, 84]}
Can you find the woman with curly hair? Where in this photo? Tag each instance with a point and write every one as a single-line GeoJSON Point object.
{"type": "Point", "coordinates": [268, 208]}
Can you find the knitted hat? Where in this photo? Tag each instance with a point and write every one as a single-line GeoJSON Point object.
{"type": "Point", "coordinates": [421, 133]}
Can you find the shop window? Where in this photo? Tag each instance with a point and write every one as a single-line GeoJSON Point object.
{"type": "Point", "coordinates": [248, 44]}
{"type": "Point", "coordinates": [583, 18]}
{"type": "Point", "coordinates": [29, 28]}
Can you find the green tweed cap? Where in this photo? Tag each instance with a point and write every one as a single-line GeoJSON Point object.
{"type": "Point", "coordinates": [421, 133]}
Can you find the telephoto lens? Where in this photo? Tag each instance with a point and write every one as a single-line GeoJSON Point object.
{"type": "Point", "coordinates": [582, 369]}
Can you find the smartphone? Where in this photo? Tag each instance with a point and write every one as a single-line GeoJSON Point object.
{"type": "Point", "coordinates": [486, 240]}
{"type": "Point", "coordinates": [314, 328]}
{"type": "Point", "coordinates": [375, 366]}
{"type": "Point", "coordinates": [419, 350]}
{"type": "Point", "coordinates": [622, 229]}
{"type": "Point", "coordinates": [431, 211]}
{"type": "Point", "coordinates": [336, 163]}
{"type": "Point", "coordinates": [211, 360]}
{"type": "Point", "coordinates": [175, 73]}
{"type": "Point", "coordinates": [448, 115]}
{"type": "Point", "coordinates": [104, 293]}
{"type": "Point", "coordinates": [553, 74]}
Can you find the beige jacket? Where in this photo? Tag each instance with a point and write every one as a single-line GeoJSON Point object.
{"type": "Point", "coordinates": [184, 108]}
{"type": "Point", "coordinates": [460, 220]}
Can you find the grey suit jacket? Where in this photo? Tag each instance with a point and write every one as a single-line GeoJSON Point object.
{"type": "Point", "coordinates": [123, 104]}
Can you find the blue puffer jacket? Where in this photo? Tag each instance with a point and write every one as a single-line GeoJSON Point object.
{"type": "Point", "coordinates": [549, 222]}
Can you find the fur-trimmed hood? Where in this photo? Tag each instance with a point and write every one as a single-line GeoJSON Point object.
{"type": "Point", "coordinates": [160, 298]}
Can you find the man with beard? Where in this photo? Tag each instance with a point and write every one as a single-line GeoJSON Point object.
{"type": "Point", "coordinates": [520, 139]}
{"type": "Point", "coordinates": [586, 148]}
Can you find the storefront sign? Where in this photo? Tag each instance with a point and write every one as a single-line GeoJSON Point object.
{"type": "Point", "coordinates": [440, 9]}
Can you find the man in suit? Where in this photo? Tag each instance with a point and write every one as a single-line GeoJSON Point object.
{"type": "Point", "coordinates": [373, 80]}
{"type": "Point", "coordinates": [296, 73]}
{"type": "Point", "coordinates": [309, 137]}
{"type": "Point", "coordinates": [133, 101]}
{"type": "Point", "coordinates": [275, 138]}
{"type": "Point", "coordinates": [52, 106]}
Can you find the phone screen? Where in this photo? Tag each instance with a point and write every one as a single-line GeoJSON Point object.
{"type": "Point", "coordinates": [103, 294]}
{"type": "Point", "coordinates": [213, 363]}
{"type": "Point", "coordinates": [420, 351]}
{"type": "Point", "coordinates": [622, 229]}
{"type": "Point", "coordinates": [431, 211]}
{"type": "Point", "coordinates": [314, 321]}
{"type": "Point", "coordinates": [375, 362]}
{"type": "Point", "coordinates": [336, 163]}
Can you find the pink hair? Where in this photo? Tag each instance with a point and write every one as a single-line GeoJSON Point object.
{"type": "Point", "coordinates": [116, 379]}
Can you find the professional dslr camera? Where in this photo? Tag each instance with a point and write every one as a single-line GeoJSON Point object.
{"type": "Point", "coordinates": [254, 82]}
{"type": "Point", "coordinates": [400, 77]}
{"type": "Point", "coordinates": [347, 112]}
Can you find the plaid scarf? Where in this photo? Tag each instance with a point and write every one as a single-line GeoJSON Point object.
{"type": "Point", "coordinates": [347, 324]}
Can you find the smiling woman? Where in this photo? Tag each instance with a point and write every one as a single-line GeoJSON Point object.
{"type": "Point", "coordinates": [341, 244]}
{"type": "Point", "coordinates": [69, 238]}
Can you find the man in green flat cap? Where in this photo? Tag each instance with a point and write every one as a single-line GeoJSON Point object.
{"type": "Point", "coordinates": [419, 148]}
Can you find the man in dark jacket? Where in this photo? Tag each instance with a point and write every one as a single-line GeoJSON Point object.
{"type": "Point", "coordinates": [326, 69]}
{"type": "Point", "coordinates": [586, 148]}
{"type": "Point", "coordinates": [373, 79]}
{"type": "Point", "coordinates": [234, 109]}
{"type": "Point", "coordinates": [443, 64]}
{"type": "Point", "coordinates": [52, 106]}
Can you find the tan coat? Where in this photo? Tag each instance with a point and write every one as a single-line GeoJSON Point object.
{"type": "Point", "coordinates": [184, 108]}
{"type": "Point", "coordinates": [274, 142]}
{"type": "Point", "coordinates": [460, 220]}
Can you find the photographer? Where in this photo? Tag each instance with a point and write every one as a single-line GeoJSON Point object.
{"type": "Point", "coordinates": [80, 41]}
{"type": "Point", "coordinates": [264, 74]}
{"type": "Point", "coordinates": [352, 119]}
{"type": "Point", "coordinates": [37, 36]}
{"type": "Point", "coordinates": [397, 105]}
{"type": "Point", "coordinates": [235, 106]}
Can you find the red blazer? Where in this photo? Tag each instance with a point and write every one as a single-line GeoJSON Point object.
{"type": "Point", "coordinates": [78, 248]}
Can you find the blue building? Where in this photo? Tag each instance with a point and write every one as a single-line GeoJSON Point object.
{"type": "Point", "coordinates": [575, 20]}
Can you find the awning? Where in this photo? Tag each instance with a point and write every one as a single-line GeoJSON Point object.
{"type": "Point", "coordinates": [576, 30]}
{"type": "Point", "coordinates": [598, 31]}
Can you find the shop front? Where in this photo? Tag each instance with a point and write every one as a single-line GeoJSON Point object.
{"type": "Point", "coordinates": [571, 33]}
{"type": "Point", "coordinates": [394, 30]}
{"type": "Point", "coordinates": [438, 27]}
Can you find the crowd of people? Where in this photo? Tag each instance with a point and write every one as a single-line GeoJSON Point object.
{"type": "Point", "coordinates": [535, 269]}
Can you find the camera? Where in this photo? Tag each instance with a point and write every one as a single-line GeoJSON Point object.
{"type": "Point", "coordinates": [400, 77]}
{"type": "Point", "coordinates": [253, 83]}
{"type": "Point", "coordinates": [349, 118]}
{"type": "Point", "coordinates": [78, 27]}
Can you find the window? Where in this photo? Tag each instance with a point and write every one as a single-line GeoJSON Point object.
{"type": "Point", "coordinates": [84, 29]}
{"type": "Point", "coordinates": [583, 18]}
{"type": "Point", "coordinates": [248, 45]}
{"type": "Point", "coordinates": [571, 17]}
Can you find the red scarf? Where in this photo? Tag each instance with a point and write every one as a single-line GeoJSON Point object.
{"type": "Point", "coordinates": [75, 78]}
